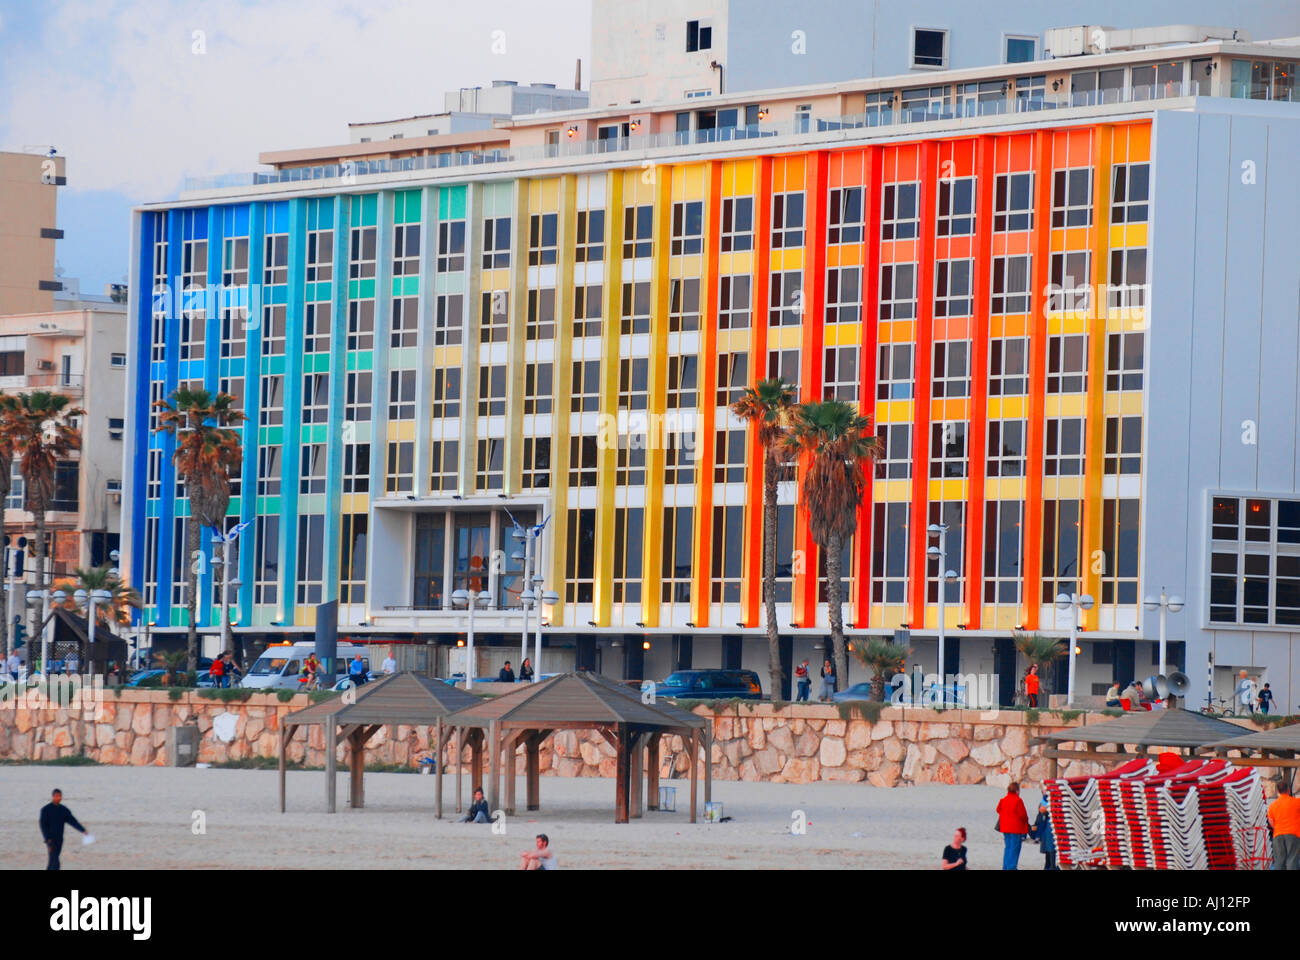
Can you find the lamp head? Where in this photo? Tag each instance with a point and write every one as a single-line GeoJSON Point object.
{"type": "Point", "coordinates": [950, 576]}
{"type": "Point", "coordinates": [932, 553]}
{"type": "Point", "coordinates": [59, 596]}
{"type": "Point", "coordinates": [550, 597]}
{"type": "Point", "coordinates": [934, 530]}
{"type": "Point", "coordinates": [80, 596]}
{"type": "Point", "coordinates": [1062, 602]}
{"type": "Point", "coordinates": [1175, 604]}
{"type": "Point", "coordinates": [1151, 603]}
{"type": "Point", "coordinates": [1085, 602]}
{"type": "Point", "coordinates": [460, 598]}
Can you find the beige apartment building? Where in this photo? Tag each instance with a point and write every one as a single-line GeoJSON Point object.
{"type": "Point", "coordinates": [29, 185]}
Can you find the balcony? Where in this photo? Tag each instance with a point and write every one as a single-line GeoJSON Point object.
{"type": "Point", "coordinates": [71, 384]}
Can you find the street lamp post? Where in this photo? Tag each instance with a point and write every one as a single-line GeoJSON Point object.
{"type": "Point", "coordinates": [89, 601]}
{"type": "Point", "coordinates": [946, 576]}
{"type": "Point", "coordinates": [470, 599]}
{"type": "Point", "coordinates": [526, 535]}
{"type": "Point", "coordinates": [1166, 605]}
{"type": "Point", "coordinates": [1073, 602]}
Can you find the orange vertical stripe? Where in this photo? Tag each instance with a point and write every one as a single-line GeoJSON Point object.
{"type": "Point", "coordinates": [867, 363]}
{"type": "Point", "coordinates": [923, 360]}
{"type": "Point", "coordinates": [752, 586]}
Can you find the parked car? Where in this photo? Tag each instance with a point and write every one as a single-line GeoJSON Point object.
{"type": "Point", "coordinates": [345, 682]}
{"type": "Point", "coordinates": [279, 666]}
{"type": "Point", "coordinates": [862, 691]}
{"type": "Point", "coordinates": [710, 685]}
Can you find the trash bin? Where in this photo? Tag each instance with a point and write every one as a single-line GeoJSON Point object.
{"type": "Point", "coordinates": [713, 811]}
{"type": "Point", "coordinates": [182, 745]}
{"type": "Point", "coordinates": [668, 799]}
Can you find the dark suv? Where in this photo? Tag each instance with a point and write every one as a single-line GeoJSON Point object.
{"type": "Point", "coordinates": [710, 685]}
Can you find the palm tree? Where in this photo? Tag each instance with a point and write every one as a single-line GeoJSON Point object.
{"type": "Point", "coordinates": [6, 481]}
{"type": "Point", "coordinates": [1043, 652]}
{"type": "Point", "coordinates": [170, 661]}
{"type": "Point", "coordinates": [40, 430]}
{"type": "Point", "coordinates": [840, 444]}
{"type": "Point", "coordinates": [207, 452]}
{"type": "Point", "coordinates": [766, 408]}
{"type": "Point", "coordinates": [880, 656]}
{"type": "Point", "coordinates": [116, 611]}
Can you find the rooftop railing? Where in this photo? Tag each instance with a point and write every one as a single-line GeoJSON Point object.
{"type": "Point", "coordinates": [891, 116]}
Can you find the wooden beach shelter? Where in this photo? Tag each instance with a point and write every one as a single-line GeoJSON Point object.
{"type": "Point", "coordinates": [1147, 729]}
{"type": "Point", "coordinates": [403, 699]}
{"type": "Point", "coordinates": [582, 701]}
{"type": "Point", "coordinates": [1279, 747]}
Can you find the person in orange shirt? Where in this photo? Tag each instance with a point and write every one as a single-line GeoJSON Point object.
{"type": "Point", "coordinates": [1031, 685]}
{"type": "Point", "coordinates": [1284, 818]}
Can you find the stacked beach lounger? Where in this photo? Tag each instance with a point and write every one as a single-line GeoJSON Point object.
{"type": "Point", "coordinates": [1085, 834]}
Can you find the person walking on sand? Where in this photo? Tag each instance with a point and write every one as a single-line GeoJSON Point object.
{"type": "Point", "coordinates": [954, 855]}
{"type": "Point", "coordinates": [803, 682]}
{"type": "Point", "coordinates": [54, 816]}
{"type": "Point", "coordinates": [1013, 824]}
{"type": "Point", "coordinates": [1265, 700]}
{"type": "Point", "coordinates": [828, 682]}
{"type": "Point", "coordinates": [1284, 818]}
{"type": "Point", "coordinates": [540, 858]}
{"type": "Point", "coordinates": [1246, 692]}
{"type": "Point", "coordinates": [1031, 686]}
{"type": "Point", "coordinates": [1042, 832]}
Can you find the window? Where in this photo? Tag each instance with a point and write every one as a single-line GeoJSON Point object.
{"type": "Point", "coordinates": [840, 374]}
{"type": "Point", "coordinates": [361, 264]}
{"type": "Point", "coordinates": [1123, 445]}
{"type": "Point", "coordinates": [268, 471]}
{"type": "Point", "coordinates": [1013, 202]}
{"type": "Point", "coordinates": [1067, 363]}
{"type": "Point", "coordinates": [924, 103]}
{"type": "Point", "coordinates": [1063, 447]}
{"type": "Point", "coordinates": [352, 561]}
{"type": "Point", "coordinates": [629, 459]}
{"type": "Point", "coordinates": [1124, 360]}
{"type": "Point", "coordinates": [784, 364]}
{"type": "Point", "coordinates": [1119, 544]}
{"type": "Point", "coordinates": [895, 461]}
{"type": "Point", "coordinates": [678, 549]}
{"type": "Point", "coordinates": [785, 307]}
{"type": "Point", "coordinates": [541, 314]}
{"type": "Point", "coordinates": [401, 467]}
{"type": "Point", "coordinates": [272, 406]}
{"type": "Point", "coordinates": [451, 246]}
{"type": "Point", "coordinates": [948, 450]}
{"type": "Point", "coordinates": [1255, 579]}
{"type": "Point", "coordinates": [315, 397]}
{"type": "Point", "coordinates": [787, 220]}
{"type": "Point", "coordinates": [1020, 49]}
{"type": "Point", "coordinates": [586, 310]}
{"type": "Point", "coordinates": [688, 228]}
{"type": "Point", "coordinates": [1006, 448]}
{"type": "Point", "coordinates": [356, 406]}
{"type": "Point", "coordinates": [638, 223]}
{"type": "Point", "coordinates": [894, 373]}
{"type": "Point", "coordinates": [1250, 79]}
{"type": "Point", "coordinates": [737, 231]}
{"type": "Point", "coordinates": [699, 36]}
{"type": "Point", "coordinates": [952, 288]}
{"type": "Point", "coordinates": [356, 468]}
{"type": "Point", "coordinates": [583, 459]}
{"type": "Point", "coordinates": [406, 322]}
{"type": "Point", "coordinates": [898, 291]}
{"type": "Point", "coordinates": [1072, 197]}
{"type": "Point", "coordinates": [1061, 541]}
{"type": "Point", "coordinates": [580, 565]}
{"type": "Point", "coordinates": [116, 425]}
{"type": "Point", "coordinates": [1070, 284]}
{"type": "Point", "coordinates": [684, 304]}
{"type": "Point", "coordinates": [1128, 279]}
{"type": "Point", "coordinates": [635, 317]}
{"type": "Point", "coordinates": [633, 383]}
{"type": "Point", "coordinates": [537, 463]}
{"type": "Point", "coordinates": [449, 319]}
{"type": "Point", "coordinates": [929, 48]}
{"type": "Point", "coordinates": [726, 569]}
{"type": "Point", "coordinates": [843, 294]}
{"type": "Point", "coordinates": [275, 268]}
{"type": "Point", "coordinates": [1010, 285]}
{"type": "Point", "coordinates": [889, 553]}
{"type": "Point", "coordinates": [446, 393]}
{"type": "Point", "coordinates": [494, 318]}
{"type": "Point", "coordinates": [1130, 193]}
{"type": "Point", "coordinates": [1002, 526]}
{"type": "Point", "coordinates": [844, 215]}
{"type": "Point", "coordinates": [956, 207]}
{"type": "Point", "coordinates": [591, 236]}
{"type": "Point", "coordinates": [443, 469]}
{"type": "Point", "coordinates": [951, 369]}
{"type": "Point", "coordinates": [537, 388]}
{"type": "Point", "coordinates": [734, 302]}
{"type": "Point", "coordinates": [900, 213]}
{"type": "Point", "coordinates": [406, 249]}
{"type": "Point", "coordinates": [543, 238]}
{"type": "Point", "coordinates": [1031, 92]}
{"type": "Point", "coordinates": [316, 325]}
{"type": "Point", "coordinates": [361, 325]}
{"type": "Point", "coordinates": [1008, 366]}
{"type": "Point", "coordinates": [266, 560]}
{"type": "Point", "coordinates": [953, 514]}
{"type": "Point", "coordinates": [683, 382]}
{"type": "Point", "coordinates": [585, 396]}
{"type": "Point", "coordinates": [274, 319]}
{"type": "Point", "coordinates": [496, 243]}
{"type": "Point", "coordinates": [311, 476]}
{"type": "Point", "coordinates": [401, 395]}
{"type": "Point", "coordinates": [492, 391]}
{"type": "Point", "coordinates": [732, 377]}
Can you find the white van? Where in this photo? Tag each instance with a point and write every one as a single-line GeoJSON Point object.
{"type": "Point", "coordinates": [280, 665]}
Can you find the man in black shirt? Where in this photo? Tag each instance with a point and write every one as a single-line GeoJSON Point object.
{"type": "Point", "coordinates": [506, 675]}
{"type": "Point", "coordinates": [54, 815]}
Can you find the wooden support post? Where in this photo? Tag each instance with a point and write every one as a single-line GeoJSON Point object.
{"type": "Point", "coordinates": [708, 763]}
{"type": "Point", "coordinates": [476, 745]}
{"type": "Point", "coordinates": [494, 768]}
{"type": "Point", "coordinates": [533, 770]}
{"type": "Point", "coordinates": [622, 760]}
{"type": "Point", "coordinates": [438, 770]}
{"type": "Point", "coordinates": [652, 772]}
{"type": "Point", "coordinates": [331, 761]}
{"type": "Point", "coordinates": [510, 747]}
{"type": "Point", "coordinates": [636, 776]}
{"type": "Point", "coordinates": [460, 751]}
{"type": "Point", "coordinates": [356, 796]}
{"type": "Point", "coordinates": [284, 746]}
{"type": "Point", "coordinates": [695, 763]}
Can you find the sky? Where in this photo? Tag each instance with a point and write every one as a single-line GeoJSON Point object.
{"type": "Point", "coordinates": [140, 95]}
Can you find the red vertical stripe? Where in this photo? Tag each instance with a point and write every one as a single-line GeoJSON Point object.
{"type": "Point", "coordinates": [867, 361]}
{"type": "Point", "coordinates": [703, 590]}
{"type": "Point", "coordinates": [923, 360]}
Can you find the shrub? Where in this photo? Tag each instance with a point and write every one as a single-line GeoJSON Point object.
{"type": "Point", "coordinates": [175, 693]}
{"type": "Point", "coordinates": [868, 710]}
{"type": "Point", "coordinates": [284, 696]}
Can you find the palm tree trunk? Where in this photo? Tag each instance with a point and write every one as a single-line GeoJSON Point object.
{"type": "Point", "coordinates": [834, 601]}
{"type": "Point", "coordinates": [6, 471]}
{"type": "Point", "coordinates": [192, 591]}
{"type": "Point", "coordinates": [34, 640]}
{"type": "Point", "coordinates": [769, 578]}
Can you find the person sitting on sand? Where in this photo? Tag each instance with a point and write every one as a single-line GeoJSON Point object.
{"type": "Point", "coordinates": [954, 855]}
{"type": "Point", "coordinates": [478, 810]}
{"type": "Point", "coordinates": [540, 859]}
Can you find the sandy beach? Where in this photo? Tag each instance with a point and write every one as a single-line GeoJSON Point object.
{"type": "Point", "coordinates": [146, 817]}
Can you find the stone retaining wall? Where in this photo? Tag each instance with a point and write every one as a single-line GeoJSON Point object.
{"type": "Point", "coordinates": [795, 744]}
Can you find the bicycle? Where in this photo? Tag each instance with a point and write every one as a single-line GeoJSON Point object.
{"type": "Point", "coordinates": [1226, 708]}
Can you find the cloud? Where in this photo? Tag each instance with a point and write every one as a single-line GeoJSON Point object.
{"type": "Point", "coordinates": [140, 96]}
